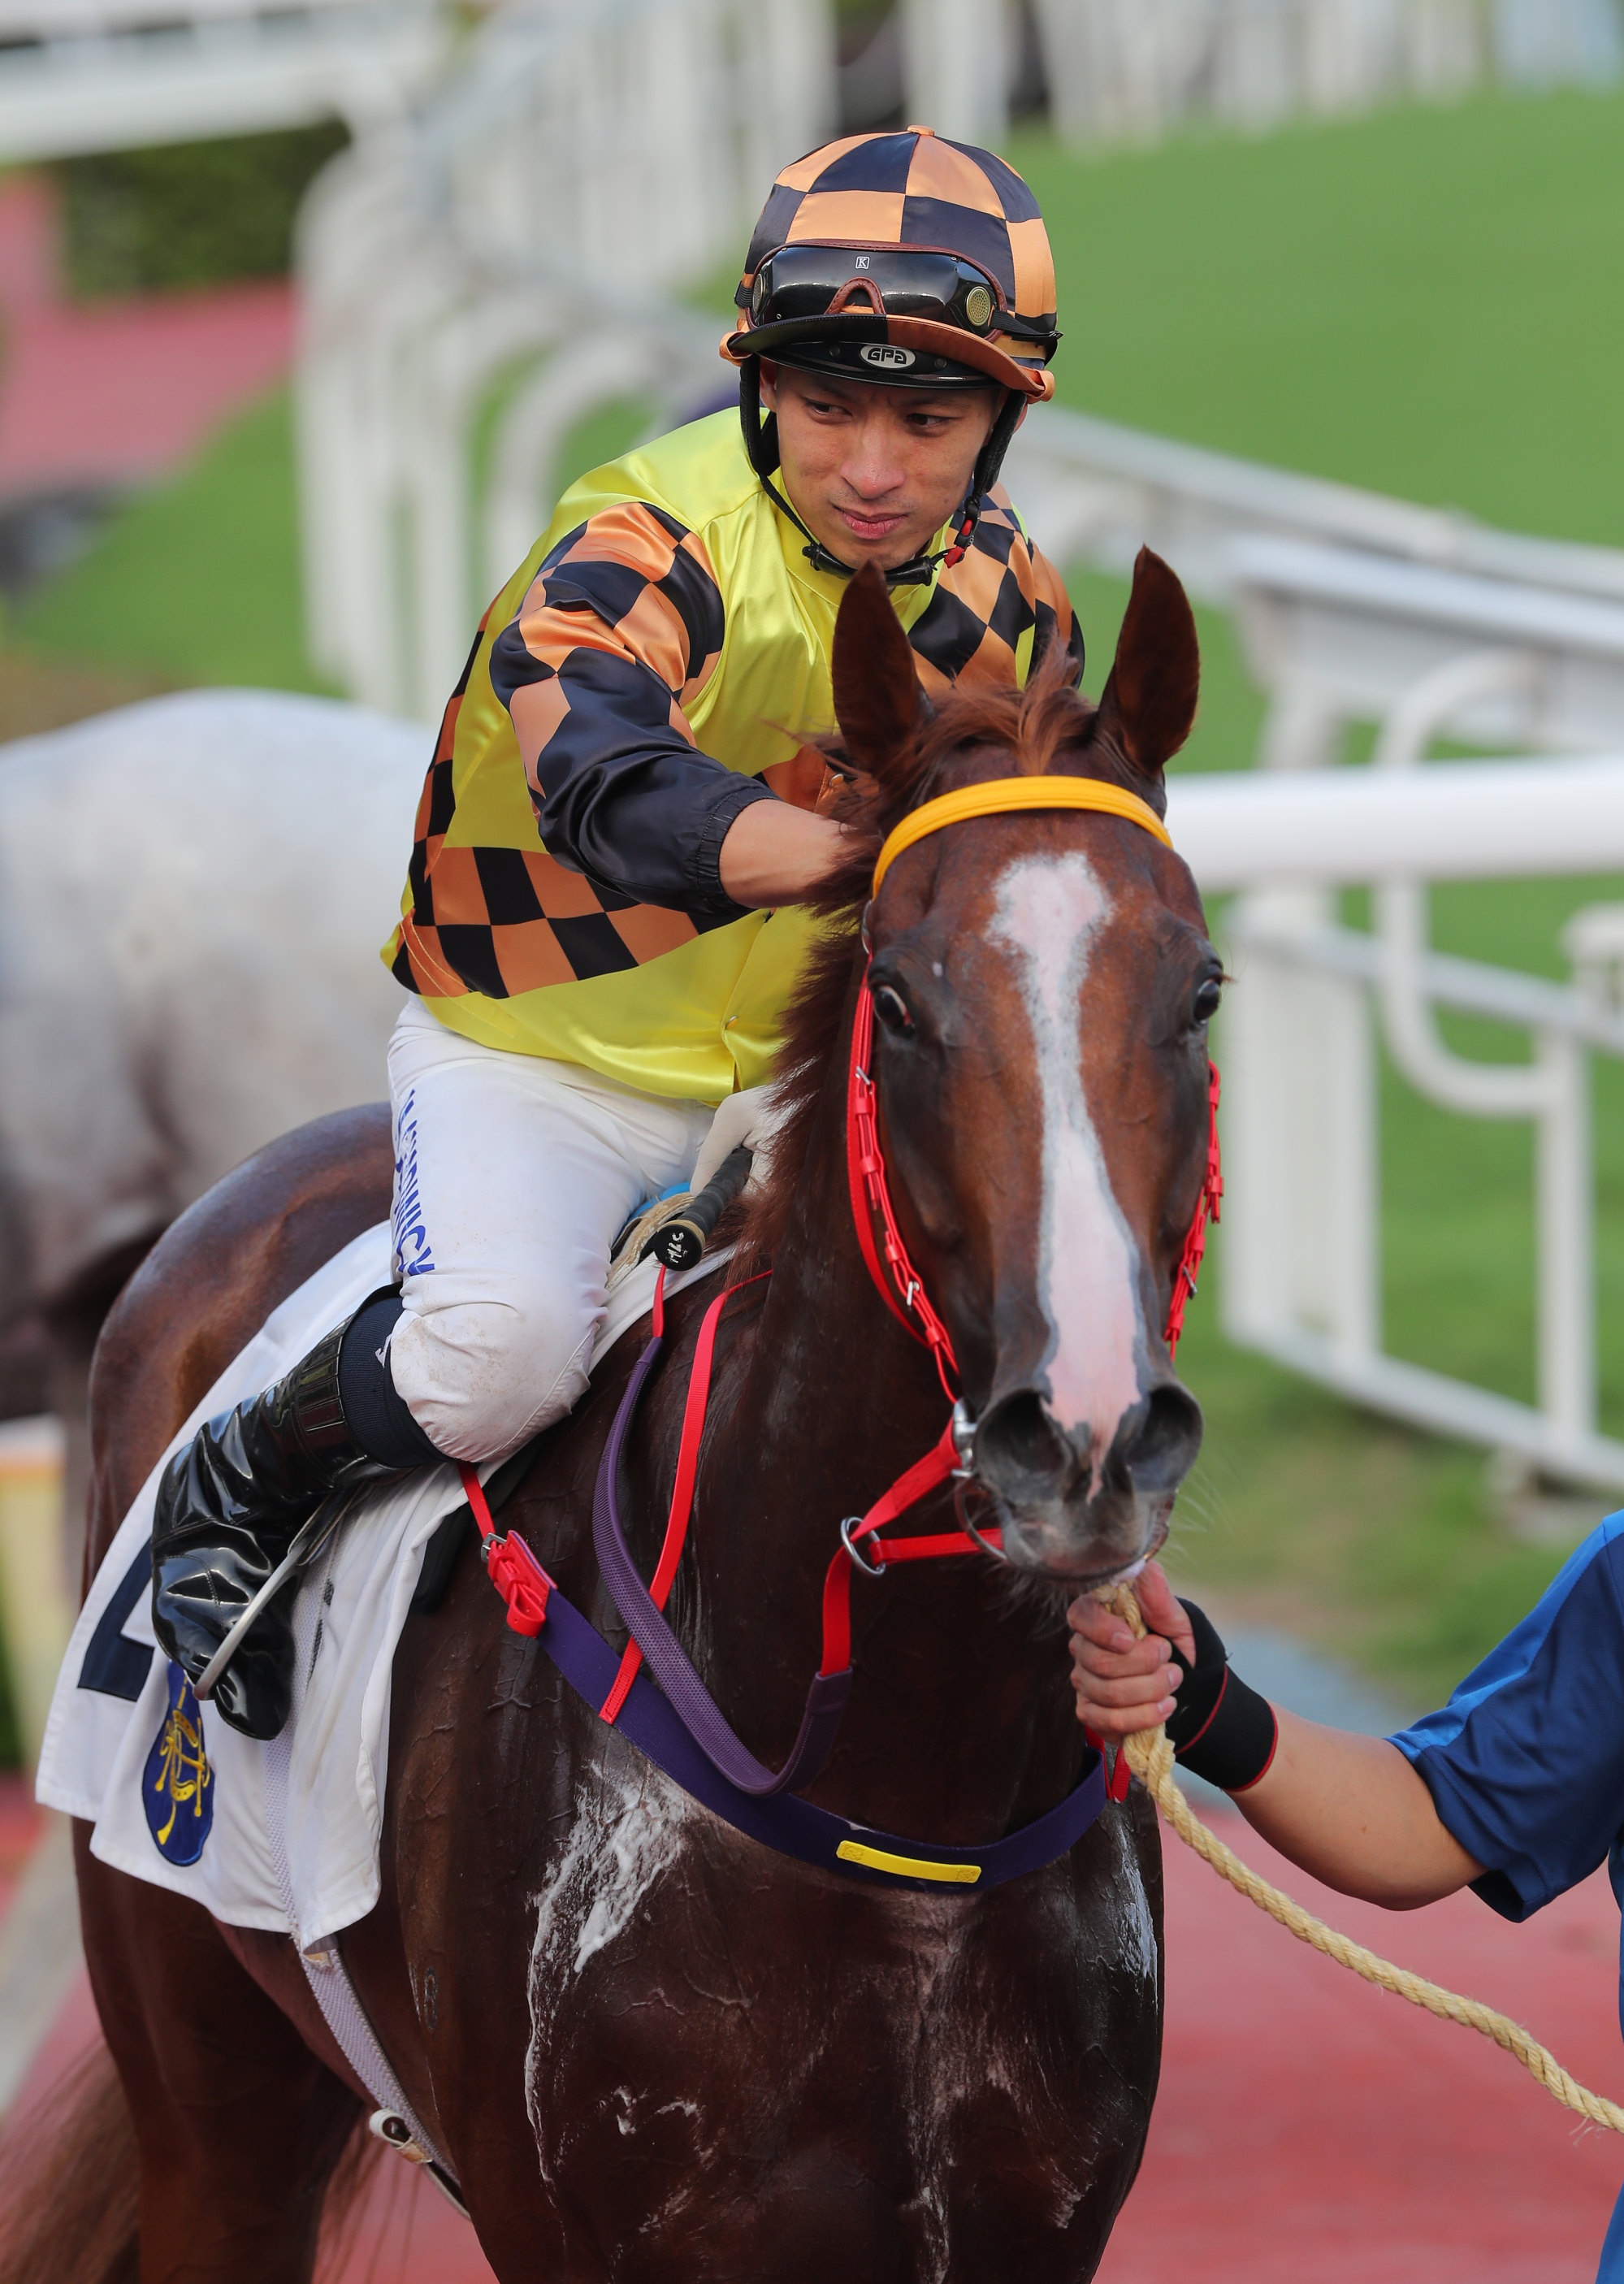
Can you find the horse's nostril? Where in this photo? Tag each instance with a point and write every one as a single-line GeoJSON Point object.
{"type": "Point", "coordinates": [1019, 1449]}
{"type": "Point", "coordinates": [1158, 1442]}
{"type": "Point", "coordinates": [1023, 1454]}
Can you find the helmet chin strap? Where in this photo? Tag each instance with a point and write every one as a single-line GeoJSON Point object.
{"type": "Point", "coordinates": [762, 449]}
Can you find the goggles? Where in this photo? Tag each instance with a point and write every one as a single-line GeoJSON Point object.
{"type": "Point", "coordinates": [798, 282]}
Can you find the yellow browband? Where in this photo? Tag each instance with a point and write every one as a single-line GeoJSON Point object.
{"type": "Point", "coordinates": [999, 795]}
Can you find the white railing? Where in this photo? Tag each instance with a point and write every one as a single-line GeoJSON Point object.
{"type": "Point", "coordinates": [79, 75]}
{"type": "Point", "coordinates": [1137, 70]}
{"type": "Point", "coordinates": [1301, 1226]}
{"type": "Point", "coordinates": [475, 283]}
{"type": "Point", "coordinates": [1094, 492]}
{"type": "Point", "coordinates": [1339, 636]}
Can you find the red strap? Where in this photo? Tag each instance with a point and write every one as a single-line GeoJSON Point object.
{"type": "Point", "coordinates": [924, 1476]}
{"type": "Point", "coordinates": [1207, 1205]}
{"type": "Point", "coordinates": [515, 1573]}
{"type": "Point", "coordinates": [1116, 1784]}
{"type": "Point", "coordinates": [681, 1495]}
{"type": "Point", "coordinates": [870, 1194]}
{"type": "Point", "coordinates": [862, 1146]}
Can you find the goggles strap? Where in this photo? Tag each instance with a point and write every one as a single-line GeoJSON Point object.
{"type": "Point", "coordinates": [762, 450]}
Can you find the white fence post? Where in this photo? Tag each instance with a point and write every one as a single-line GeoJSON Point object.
{"type": "Point", "coordinates": [578, 167]}
{"type": "Point", "coordinates": [955, 66]}
{"type": "Point", "coordinates": [1301, 1227]}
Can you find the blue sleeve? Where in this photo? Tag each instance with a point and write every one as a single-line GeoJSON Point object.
{"type": "Point", "coordinates": [1526, 1762]}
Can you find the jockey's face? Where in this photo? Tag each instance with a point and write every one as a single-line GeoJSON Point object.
{"type": "Point", "coordinates": [874, 472]}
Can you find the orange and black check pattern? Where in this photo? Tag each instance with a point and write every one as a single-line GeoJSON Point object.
{"type": "Point", "coordinates": [621, 626]}
{"type": "Point", "coordinates": [999, 591]}
{"type": "Point", "coordinates": [914, 189]}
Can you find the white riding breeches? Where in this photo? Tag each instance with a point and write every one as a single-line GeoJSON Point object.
{"type": "Point", "coordinates": [512, 1177]}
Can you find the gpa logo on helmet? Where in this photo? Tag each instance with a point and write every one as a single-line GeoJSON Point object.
{"type": "Point", "coordinates": [886, 353]}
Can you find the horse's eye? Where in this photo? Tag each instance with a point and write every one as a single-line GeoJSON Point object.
{"type": "Point", "coordinates": [1208, 993]}
{"type": "Point", "coordinates": [892, 1010]}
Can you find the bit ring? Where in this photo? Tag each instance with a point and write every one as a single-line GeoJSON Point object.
{"type": "Point", "coordinates": [870, 1569]}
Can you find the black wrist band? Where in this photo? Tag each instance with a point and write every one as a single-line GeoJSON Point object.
{"type": "Point", "coordinates": [1221, 1730]}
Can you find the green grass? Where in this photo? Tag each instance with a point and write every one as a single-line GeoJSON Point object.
{"type": "Point", "coordinates": [1425, 302]}
{"type": "Point", "coordinates": [188, 214]}
{"type": "Point", "coordinates": [198, 579]}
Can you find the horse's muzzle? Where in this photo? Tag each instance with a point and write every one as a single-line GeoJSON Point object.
{"type": "Point", "coordinates": [1061, 1515]}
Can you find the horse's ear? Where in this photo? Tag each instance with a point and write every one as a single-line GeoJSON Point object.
{"type": "Point", "coordinates": [1149, 700]}
{"type": "Point", "coordinates": [877, 696]}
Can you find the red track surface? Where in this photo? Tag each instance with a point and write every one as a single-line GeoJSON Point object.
{"type": "Point", "coordinates": [105, 394]}
{"type": "Point", "coordinates": [1308, 2125]}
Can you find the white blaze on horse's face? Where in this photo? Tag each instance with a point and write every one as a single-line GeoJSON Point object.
{"type": "Point", "coordinates": [1049, 911]}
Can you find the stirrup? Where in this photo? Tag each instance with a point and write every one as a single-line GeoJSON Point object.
{"type": "Point", "coordinates": [307, 1542]}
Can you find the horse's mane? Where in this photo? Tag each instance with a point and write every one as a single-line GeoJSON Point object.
{"type": "Point", "coordinates": [965, 736]}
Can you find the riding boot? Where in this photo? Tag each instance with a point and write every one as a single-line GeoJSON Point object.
{"type": "Point", "coordinates": [231, 1501]}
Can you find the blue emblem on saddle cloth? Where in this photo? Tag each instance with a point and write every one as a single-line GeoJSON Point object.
{"type": "Point", "coordinates": [177, 1784]}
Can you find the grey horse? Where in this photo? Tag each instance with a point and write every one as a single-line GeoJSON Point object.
{"type": "Point", "coordinates": [193, 891]}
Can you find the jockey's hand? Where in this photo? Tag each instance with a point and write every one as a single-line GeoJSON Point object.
{"type": "Point", "coordinates": [750, 1120]}
{"type": "Point", "coordinates": [1122, 1685]}
{"type": "Point", "coordinates": [774, 854]}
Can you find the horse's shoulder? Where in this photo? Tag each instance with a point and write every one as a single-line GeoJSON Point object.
{"type": "Point", "coordinates": [213, 1279]}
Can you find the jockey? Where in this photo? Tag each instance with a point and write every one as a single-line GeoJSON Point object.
{"type": "Point", "coordinates": [603, 915]}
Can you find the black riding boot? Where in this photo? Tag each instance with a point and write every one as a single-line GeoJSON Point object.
{"type": "Point", "coordinates": [232, 1499]}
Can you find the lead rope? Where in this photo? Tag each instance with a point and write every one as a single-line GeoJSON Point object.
{"type": "Point", "coordinates": [1150, 1757]}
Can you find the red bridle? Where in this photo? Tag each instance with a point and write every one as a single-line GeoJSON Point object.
{"type": "Point", "coordinates": [902, 1291]}
{"type": "Point", "coordinates": [895, 1278]}
{"type": "Point", "coordinates": [900, 1285]}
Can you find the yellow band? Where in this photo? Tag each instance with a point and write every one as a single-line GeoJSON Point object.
{"type": "Point", "coordinates": [907, 1867]}
{"type": "Point", "coordinates": [999, 795]}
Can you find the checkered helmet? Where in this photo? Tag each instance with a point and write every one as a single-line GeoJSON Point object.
{"type": "Point", "coordinates": [903, 258]}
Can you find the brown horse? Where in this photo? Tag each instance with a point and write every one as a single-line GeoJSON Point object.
{"type": "Point", "coordinates": [652, 2048]}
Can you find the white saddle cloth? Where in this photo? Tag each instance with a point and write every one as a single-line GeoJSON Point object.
{"type": "Point", "coordinates": [328, 1769]}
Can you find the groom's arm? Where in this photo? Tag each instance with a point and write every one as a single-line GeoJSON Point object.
{"type": "Point", "coordinates": [1350, 1810]}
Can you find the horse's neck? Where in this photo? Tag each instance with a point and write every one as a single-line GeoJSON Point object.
{"type": "Point", "coordinates": [959, 1720]}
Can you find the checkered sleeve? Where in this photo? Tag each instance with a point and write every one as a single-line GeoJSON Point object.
{"type": "Point", "coordinates": [998, 610]}
{"type": "Point", "coordinates": [621, 630]}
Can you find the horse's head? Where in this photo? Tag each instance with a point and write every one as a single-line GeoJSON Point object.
{"type": "Point", "coordinates": [1043, 982]}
